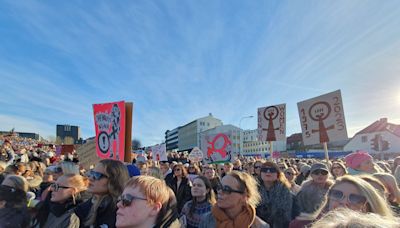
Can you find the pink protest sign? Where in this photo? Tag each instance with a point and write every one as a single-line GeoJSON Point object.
{"type": "Point", "coordinates": [109, 121]}
{"type": "Point", "coordinates": [322, 119]}
{"type": "Point", "coordinates": [272, 123]}
{"type": "Point", "coordinates": [217, 147]}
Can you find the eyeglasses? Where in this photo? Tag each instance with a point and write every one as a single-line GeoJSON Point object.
{"type": "Point", "coordinates": [227, 189]}
{"type": "Point", "coordinates": [269, 170]}
{"type": "Point", "coordinates": [57, 187]}
{"type": "Point", "coordinates": [126, 199]}
{"type": "Point", "coordinates": [352, 198]}
{"type": "Point", "coordinates": [320, 172]}
{"type": "Point", "coordinates": [96, 175]}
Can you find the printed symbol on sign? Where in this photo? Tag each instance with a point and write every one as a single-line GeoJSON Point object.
{"type": "Point", "coordinates": [319, 112]}
{"type": "Point", "coordinates": [271, 113]}
{"type": "Point", "coordinates": [103, 142]}
{"type": "Point", "coordinates": [222, 151]}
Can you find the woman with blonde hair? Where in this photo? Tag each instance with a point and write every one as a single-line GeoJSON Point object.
{"type": "Point", "coordinates": [390, 184]}
{"type": "Point", "coordinates": [65, 196]}
{"type": "Point", "coordinates": [338, 169]}
{"type": "Point", "coordinates": [147, 202]}
{"type": "Point", "coordinates": [154, 171]}
{"type": "Point", "coordinates": [276, 203]}
{"type": "Point", "coordinates": [238, 197]}
{"type": "Point", "coordinates": [357, 194]}
{"type": "Point", "coordinates": [345, 217]}
{"type": "Point", "coordinates": [106, 183]}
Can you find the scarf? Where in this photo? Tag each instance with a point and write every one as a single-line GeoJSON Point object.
{"type": "Point", "coordinates": [59, 209]}
{"type": "Point", "coordinates": [242, 220]}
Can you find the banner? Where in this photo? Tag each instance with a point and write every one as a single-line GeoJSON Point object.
{"type": "Point", "coordinates": [322, 119]}
{"type": "Point", "coordinates": [272, 123]}
{"type": "Point", "coordinates": [217, 148]}
{"type": "Point", "coordinates": [159, 152]}
{"type": "Point", "coordinates": [109, 121]}
{"type": "Point", "coordinates": [196, 155]}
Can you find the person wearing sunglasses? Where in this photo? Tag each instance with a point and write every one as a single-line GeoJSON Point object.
{"type": "Point", "coordinates": [203, 198]}
{"type": "Point", "coordinates": [318, 184]}
{"type": "Point", "coordinates": [276, 199]}
{"type": "Point", "coordinates": [290, 174]}
{"type": "Point", "coordinates": [338, 169]}
{"type": "Point", "coordinates": [106, 183]}
{"type": "Point", "coordinates": [13, 202]}
{"type": "Point", "coordinates": [65, 196]}
{"type": "Point", "coordinates": [181, 185]}
{"type": "Point", "coordinates": [238, 197]}
{"type": "Point", "coordinates": [147, 202]}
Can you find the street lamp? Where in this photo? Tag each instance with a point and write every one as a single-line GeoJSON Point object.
{"type": "Point", "coordinates": [241, 137]}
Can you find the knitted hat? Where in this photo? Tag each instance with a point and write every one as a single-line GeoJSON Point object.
{"type": "Point", "coordinates": [354, 160]}
{"type": "Point", "coordinates": [133, 170]}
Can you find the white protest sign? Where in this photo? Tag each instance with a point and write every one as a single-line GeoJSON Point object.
{"type": "Point", "coordinates": [87, 154]}
{"type": "Point", "coordinates": [322, 119]}
{"type": "Point", "coordinates": [159, 152]}
{"type": "Point", "coordinates": [272, 123]}
{"type": "Point", "coordinates": [196, 155]}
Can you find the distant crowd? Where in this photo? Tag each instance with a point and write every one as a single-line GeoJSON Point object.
{"type": "Point", "coordinates": [40, 188]}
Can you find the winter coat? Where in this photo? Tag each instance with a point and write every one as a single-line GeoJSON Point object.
{"type": "Point", "coordinates": [208, 221]}
{"type": "Point", "coordinates": [276, 205]}
{"type": "Point", "coordinates": [183, 193]}
{"type": "Point", "coordinates": [106, 213]}
{"type": "Point", "coordinates": [14, 218]}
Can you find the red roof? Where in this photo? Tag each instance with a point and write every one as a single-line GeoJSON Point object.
{"type": "Point", "coordinates": [379, 126]}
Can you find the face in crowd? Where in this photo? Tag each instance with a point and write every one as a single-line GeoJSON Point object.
{"type": "Point", "coordinates": [62, 190]}
{"type": "Point", "coordinates": [320, 176]}
{"type": "Point", "coordinates": [98, 180]}
{"type": "Point", "coordinates": [347, 195]}
{"type": "Point", "coordinates": [230, 193]}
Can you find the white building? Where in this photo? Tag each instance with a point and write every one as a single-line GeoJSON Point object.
{"type": "Point", "coordinates": [251, 145]}
{"type": "Point", "coordinates": [189, 134]}
{"type": "Point", "coordinates": [234, 133]}
{"type": "Point", "coordinates": [389, 132]}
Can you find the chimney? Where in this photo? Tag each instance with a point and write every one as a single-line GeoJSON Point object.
{"type": "Point", "coordinates": [383, 120]}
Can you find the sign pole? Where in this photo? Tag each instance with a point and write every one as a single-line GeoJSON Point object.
{"type": "Point", "coordinates": [326, 152]}
{"type": "Point", "coordinates": [271, 149]}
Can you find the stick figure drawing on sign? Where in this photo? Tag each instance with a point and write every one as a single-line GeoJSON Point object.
{"type": "Point", "coordinates": [270, 113]}
{"type": "Point", "coordinates": [114, 135]}
{"type": "Point", "coordinates": [319, 111]}
{"type": "Point", "coordinates": [219, 153]}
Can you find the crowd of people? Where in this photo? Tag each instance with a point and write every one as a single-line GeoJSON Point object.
{"type": "Point", "coordinates": [42, 189]}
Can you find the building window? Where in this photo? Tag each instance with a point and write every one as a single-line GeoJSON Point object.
{"type": "Point", "coordinates": [364, 139]}
{"type": "Point", "coordinates": [208, 124]}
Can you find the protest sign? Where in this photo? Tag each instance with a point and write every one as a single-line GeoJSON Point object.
{"type": "Point", "coordinates": [217, 148]}
{"type": "Point", "coordinates": [109, 119]}
{"type": "Point", "coordinates": [87, 154]}
{"type": "Point", "coordinates": [272, 123]}
{"type": "Point", "coordinates": [159, 152]}
{"type": "Point", "coordinates": [322, 119]}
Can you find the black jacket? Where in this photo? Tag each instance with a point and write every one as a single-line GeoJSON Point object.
{"type": "Point", "coordinates": [14, 218]}
{"type": "Point", "coordinates": [183, 194]}
{"type": "Point", "coordinates": [106, 213]}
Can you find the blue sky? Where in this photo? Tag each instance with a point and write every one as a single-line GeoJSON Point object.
{"type": "Point", "coordinates": [180, 60]}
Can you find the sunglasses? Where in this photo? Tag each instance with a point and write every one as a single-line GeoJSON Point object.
{"type": "Point", "coordinates": [257, 167]}
{"type": "Point", "coordinates": [269, 170]}
{"type": "Point", "coordinates": [177, 170]}
{"type": "Point", "coordinates": [96, 175]}
{"type": "Point", "coordinates": [227, 189]}
{"type": "Point", "coordinates": [57, 187]}
{"type": "Point", "coordinates": [320, 172]}
{"type": "Point", "coordinates": [352, 198]}
{"type": "Point", "coordinates": [126, 199]}
{"type": "Point", "coordinates": [289, 173]}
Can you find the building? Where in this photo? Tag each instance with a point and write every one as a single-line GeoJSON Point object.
{"type": "Point", "coordinates": [171, 139]}
{"type": "Point", "coordinates": [22, 134]}
{"type": "Point", "coordinates": [67, 134]}
{"type": "Point", "coordinates": [253, 147]}
{"type": "Point", "coordinates": [295, 142]}
{"type": "Point", "coordinates": [189, 134]}
{"type": "Point", "coordinates": [234, 136]}
{"type": "Point", "coordinates": [388, 135]}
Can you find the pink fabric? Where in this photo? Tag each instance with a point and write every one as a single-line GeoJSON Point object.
{"type": "Point", "coordinates": [353, 160]}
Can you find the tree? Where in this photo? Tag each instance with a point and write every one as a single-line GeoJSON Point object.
{"type": "Point", "coordinates": [136, 144]}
